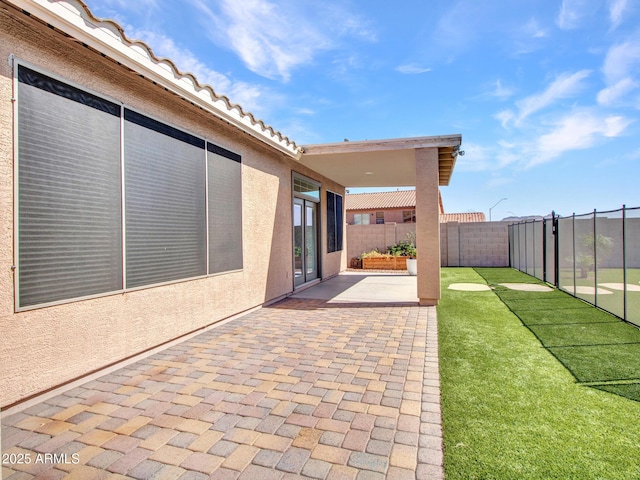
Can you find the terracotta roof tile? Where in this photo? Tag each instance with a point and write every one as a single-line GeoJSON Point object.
{"type": "Point", "coordinates": [371, 201]}
{"type": "Point", "coordinates": [462, 217]}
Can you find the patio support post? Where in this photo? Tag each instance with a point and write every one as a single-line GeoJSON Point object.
{"type": "Point", "coordinates": [428, 225]}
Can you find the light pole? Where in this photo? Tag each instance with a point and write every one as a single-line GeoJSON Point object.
{"type": "Point", "coordinates": [495, 206]}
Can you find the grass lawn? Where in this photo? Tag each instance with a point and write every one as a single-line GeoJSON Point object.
{"type": "Point", "coordinates": [613, 301]}
{"type": "Point", "coordinates": [510, 408]}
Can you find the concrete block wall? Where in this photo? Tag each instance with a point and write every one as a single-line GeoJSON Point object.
{"type": "Point", "coordinates": [478, 244]}
{"type": "Point", "coordinates": [364, 238]}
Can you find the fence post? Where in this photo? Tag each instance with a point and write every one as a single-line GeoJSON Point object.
{"type": "Point", "coordinates": [624, 257]}
{"type": "Point", "coordinates": [573, 228]}
{"type": "Point", "coordinates": [509, 230]}
{"type": "Point", "coordinates": [544, 250]}
{"type": "Point", "coordinates": [556, 247]}
{"type": "Point", "coordinates": [533, 247]}
{"type": "Point", "coordinates": [595, 258]}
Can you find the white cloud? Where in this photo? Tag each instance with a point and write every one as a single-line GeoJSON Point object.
{"type": "Point", "coordinates": [621, 65]}
{"type": "Point", "coordinates": [500, 91]}
{"type": "Point", "coordinates": [477, 158]}
{"type": "Point", "coordinates": [274, 39]}
{"type": "Point", "coordinates": [480, 158]}
{"type": "Point", "coordinates": [578, 130]}
{"type": "Point", "coordinates": [572, 12]}
{"type": "Point", "coordinates": [250, 97]}
{"type": "Point", "coordinates": [533, 29]}
{"type": "Point", "coordinates": [412, 69]}
{"type": "Point", "coordinates": [505, 117]}
{"type": "Point", "coordinates": [564, 86]}
{"type": "Point", "coordinates": [621, 59]}
{"type": "Point", "coordinates": [616, 11]}
{"type": "Point", "coordinates": [608, 96]}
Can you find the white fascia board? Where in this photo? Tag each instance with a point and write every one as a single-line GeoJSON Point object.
{"type": "Point", "coordinates": [71, 17]}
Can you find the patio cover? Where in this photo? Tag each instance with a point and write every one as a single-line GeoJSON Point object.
{"type": "Point", "coordinates": [424, 162]}
{"type": "Point", "coordinates": [380, 163]}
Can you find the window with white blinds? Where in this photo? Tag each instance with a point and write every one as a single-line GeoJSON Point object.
{"type": "Point", "coordinates": [225, 209]}
{"type": "Point", "coordinates": [69, 209]}
{"type": "Point", "coordinates": [69, 202]}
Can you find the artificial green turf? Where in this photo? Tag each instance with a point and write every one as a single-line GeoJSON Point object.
{"type": "Point", "coordinates": [592, 344]}
{"type": "Point", "coordinates": [613, 302]}
{"type": "Point", "coordinates": [601, 363]}
{"type": "Point", "coordinates": [511, 410]}
{"type": "Point", "coordinates": [586, 334]}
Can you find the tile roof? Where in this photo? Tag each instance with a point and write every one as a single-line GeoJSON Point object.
{"type": "Point", "coordinates": [75, 19]}
{"type": "Point", "coordinates": [403, 199]}
{"type": "Point", "coordinates": [462, 217]}
{"type": "Point", "coordinates": [370, 201]}
{"type": "Point", "coordinates": [382, 200]}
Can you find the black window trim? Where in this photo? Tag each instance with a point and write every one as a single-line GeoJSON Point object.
{"type": "Point", "coordinates": [338, 225]}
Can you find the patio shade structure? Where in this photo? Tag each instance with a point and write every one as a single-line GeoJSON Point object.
{"type": "Point", "coordinates": [424, 162]}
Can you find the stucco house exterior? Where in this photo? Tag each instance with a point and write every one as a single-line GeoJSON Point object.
{"type": "Point", "coordinates": [137, 205]}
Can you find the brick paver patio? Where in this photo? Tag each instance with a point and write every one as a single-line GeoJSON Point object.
{"type": "Point", "coordinates": [301, 389]}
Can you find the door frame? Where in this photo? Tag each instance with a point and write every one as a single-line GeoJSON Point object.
{"type": "Point", "coordinates": [304, 199]}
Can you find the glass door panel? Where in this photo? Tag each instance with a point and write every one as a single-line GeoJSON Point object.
{"type": "Point", "coordinates": [305, 241]}
{"type": "Point", "coordinates": [298, 242]}
{"type": "Point", "coordinates": [311, 268]}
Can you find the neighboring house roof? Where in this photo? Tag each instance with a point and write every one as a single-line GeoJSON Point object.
{"type": "Point", "coordinates": [108, 38]}
{"type": "Point", "coordinates": [384, 200]}
{"type": "Point", "coordinates": [403, 199]}
{"type": "Point", "coordinates": [462, 217]}
{"type": "Point", "coordinates": [381, 200]}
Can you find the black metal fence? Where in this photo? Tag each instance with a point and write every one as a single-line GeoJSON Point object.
{"type": "Point", "coordinates": [595, 257]}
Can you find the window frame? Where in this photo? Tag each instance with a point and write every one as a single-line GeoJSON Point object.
{"type": "Point", "coordinates": [15, 64]}
{"type": "Point", "coordinates": [337, 222]}
{"type": "Point", "coordinates": [411, 214]}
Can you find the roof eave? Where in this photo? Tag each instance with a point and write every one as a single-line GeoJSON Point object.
{"type": "Point", "coordinates": [107, 37]}
{"type": "Point", "coordinates": [386, 144]}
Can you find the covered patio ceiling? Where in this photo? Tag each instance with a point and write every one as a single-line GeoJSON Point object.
{"type": "Point", "coordinates": [380, 163]}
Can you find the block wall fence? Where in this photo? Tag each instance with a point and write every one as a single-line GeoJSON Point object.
{"type": "Point", "coordinates": [475, 244]}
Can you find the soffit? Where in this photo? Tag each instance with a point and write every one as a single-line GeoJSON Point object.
{"type": "Point", "coordinates": [380, 163]}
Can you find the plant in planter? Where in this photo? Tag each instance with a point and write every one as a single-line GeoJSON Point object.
{"type": "Point", "coordinates": [395, 257]}
{"type": "Point", "coordinates": [377, 260]}
{"type": "Point", "coordinates": [407, 248]}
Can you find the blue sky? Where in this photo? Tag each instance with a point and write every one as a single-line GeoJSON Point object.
{"type": "Point", "coordinates": [546, 94]}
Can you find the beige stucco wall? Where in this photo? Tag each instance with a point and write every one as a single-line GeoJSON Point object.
{"type": "Point", "coordinates": [428, 225]}
{"type": "Point", "coordinates": [46, 347]}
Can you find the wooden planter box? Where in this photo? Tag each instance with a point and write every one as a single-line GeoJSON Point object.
{"type": "Point", "coordinates": [384, 263]}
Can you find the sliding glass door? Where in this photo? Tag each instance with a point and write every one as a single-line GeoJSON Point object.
{"type": "Point", "coordinates": [305, 252]}
{"type": "Point", "coordinates": [305, 230]}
